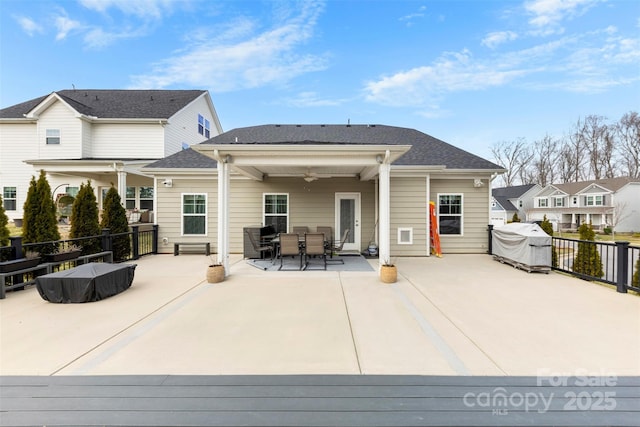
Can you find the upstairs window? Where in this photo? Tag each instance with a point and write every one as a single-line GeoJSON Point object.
{"type": "Point", "coordinates": [53, 136]}
{"type": "Point", "coordinates": [543, 203]}
{"type": "Point", "coordinates": [9, 199]}
{"type": "Point", "coordinates": [594, 200]}
{"type": "Point", "coordinates": [558, 202]}
{"type": "Point", "coordinates": [204, 126]}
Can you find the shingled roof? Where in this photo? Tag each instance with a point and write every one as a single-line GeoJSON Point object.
{"type": "Point", "coordinates": [112, 104]}
{"type": "Point", "coordinates": [426, 150]}
{"type": "Point", "coordinates": [185, 159]}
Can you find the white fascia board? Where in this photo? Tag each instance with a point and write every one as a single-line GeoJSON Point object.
{"type": "Point", "coordinates": [179, 171]}
{"type": "Point", "coordinates": [18, 120]}
{"type": "Point", "coordinates": [283, 154]}
{"type": "Point", "coordinates": [592, 185]}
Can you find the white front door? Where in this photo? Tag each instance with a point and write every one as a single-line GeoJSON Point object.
{"type": "Point", "coordinates": [348, 217]}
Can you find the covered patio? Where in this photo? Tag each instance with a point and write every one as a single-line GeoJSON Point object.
{"type": "Point", "coordinates": [309, 162]}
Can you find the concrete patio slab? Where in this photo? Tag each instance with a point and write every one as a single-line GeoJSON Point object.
{"type": "Point", "coordinates": [456, 315]}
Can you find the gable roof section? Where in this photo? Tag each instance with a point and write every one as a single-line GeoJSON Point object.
{"type": "Point", "coordinates": [504, 202]}
{"type": "Point", "coordinates": [611, 184]}
{"type": "Point", "coordinates": [185, 159]}
{"type": "Point", "coordinates": [512, 192]}
{"type": "Point", "coordinates": [425, 149]}
{"type": "Point", "coordinates": [114, 104]}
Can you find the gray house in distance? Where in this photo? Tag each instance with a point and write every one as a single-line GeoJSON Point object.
{"type": "Point", "coordinates": [375, 180]}
{"type": "Point", "coordinates": [507, 201]}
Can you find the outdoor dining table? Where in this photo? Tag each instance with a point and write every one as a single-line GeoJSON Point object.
{"type": "Point", "coordinates": [275, 242]}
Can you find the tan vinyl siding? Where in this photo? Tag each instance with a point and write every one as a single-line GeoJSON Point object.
{"type": "Point", "coordinates": [475, 211]}
{"type": "Point", "coordinates": [310, 204]}
{"type": "Point", "coordinates": [169, 216]}
{"type": "Point", "coordinates": [409, 210]}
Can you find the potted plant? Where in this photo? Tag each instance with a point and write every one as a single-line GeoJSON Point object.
{"type": "Point", "coordinates": [30, 259]}
{"type": "Point", "coordinates": [67, 253]}
{"type": "Point", "coordinates": [388, 272]}
{"type": "Point", "coordinates": [215, 273]}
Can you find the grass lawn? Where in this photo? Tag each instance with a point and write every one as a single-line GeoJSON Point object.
{"type": "Point", "coordinates": [633, 239]}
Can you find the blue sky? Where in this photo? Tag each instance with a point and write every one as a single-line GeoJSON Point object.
{"type": "Point", "coordinates": [469, 72]}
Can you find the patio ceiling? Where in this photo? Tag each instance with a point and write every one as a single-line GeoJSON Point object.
{"type": "Point", "coordinates": [310, 162]}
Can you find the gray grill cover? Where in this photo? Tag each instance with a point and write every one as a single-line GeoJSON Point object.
{"type": "Point", "coordinates": [88, 282]}
{"type": "Point", "coordinates": [524, 243]}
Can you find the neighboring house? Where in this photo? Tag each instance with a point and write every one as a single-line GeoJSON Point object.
{"type": "Point", "coordinates": [102, 135]}
{"type": "Point", "coordinates": [375, 180]}
{"type": "Point", "coordinates": [508, 201]}
{"type": "Point", "coordinates": [604, 203]}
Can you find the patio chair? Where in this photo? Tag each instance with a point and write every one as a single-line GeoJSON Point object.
{"type": "Point", "coordinates": [328, 232]}
{"type": "Point", "coordinates": [300, 229]}
{"type": "Point", "coordinates": [314, 247]}
{"type": "Point", "coordinates": [338, 247]}
{"type": "Point", "coordinates": [258, 248]}
{"type": "Point", "coordinates": [290, 246]}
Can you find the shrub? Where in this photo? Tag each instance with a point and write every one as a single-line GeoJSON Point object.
{"type": "Point", "coordinates": [547, 227]}
{"type": "Point", "coordinates": [84, 219]}
{"type": "Point", "coordinates": [39, 218]}
{"type": "Point", "coordinates": [4, 225]}
{"type": "Point", "coordinates": [515, 218]}
{"type": "Point", "coordinates": [607, 230]}
{"type": "Point", "coordinates": [587, 261]}
{"type": "Point", "coordinates": [636, 276]}
{"type": "Point", "coordinates": [114, 217]}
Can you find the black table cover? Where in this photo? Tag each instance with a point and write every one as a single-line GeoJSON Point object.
{"type": "Point", "coordinates": [88, 282]}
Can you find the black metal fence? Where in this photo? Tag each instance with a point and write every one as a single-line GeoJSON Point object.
{"type": "Point", "coordinates": [143, 242]}
{"type": "Point", "coordinates": [619, 260]}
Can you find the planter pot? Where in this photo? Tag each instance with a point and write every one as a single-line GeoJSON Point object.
{"type": "Point", "coordinates": [215, 273]}
{"type": "Point", "coordinates": [62, 256]}
{"type": "Point", "coordinates": [388, 274]}
{"type": "Point", "coordinates": [18, 264]}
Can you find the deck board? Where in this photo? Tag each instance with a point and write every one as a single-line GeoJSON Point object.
{"type": "Point", "coordinates": [313, 400]}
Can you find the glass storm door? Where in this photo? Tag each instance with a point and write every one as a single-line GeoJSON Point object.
{"type": "Point", "coordinates": [348, 217]}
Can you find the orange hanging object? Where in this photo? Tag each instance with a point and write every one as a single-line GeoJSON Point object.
{"type": "Point", "coordinates": [433, 231]}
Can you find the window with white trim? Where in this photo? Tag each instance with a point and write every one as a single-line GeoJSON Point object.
{"type": "Point", "coordinates": [9, 198]}
{"type": "Point", "coordinates": [204, 126]}
{"type": "Point", "coordinates": [194, 214]}
{"type": "Point", "coordinates": [596, 200]}
{"type": "Point", "coordinates": [450, 214]}
{"type": "Point", "coordinates": [276, 211]}
{"type": "Point", "coordinates": [130, 198]}
{"type": "Point", "coordinates": [405, 235]}
{"type": "Point", "coordinates": [146, 197]}
{"type": "Point", "coordinates": [543, 202]}
{"type": "Point", "coordinates": [558, 202]}
{"type": "Point", "coordinates": [52, 136]}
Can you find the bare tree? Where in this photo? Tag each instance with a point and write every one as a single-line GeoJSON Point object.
{"type": "Point", "coordinates": [544, 162]}
{"type": "Point", "coordinates": [628, 133]}
{"type": "Point", "coordinates": [571, 159]}
{"type": "Point", "coordinates": [596, 139]}
{"type": "Point", "coordinates": [513, 156]}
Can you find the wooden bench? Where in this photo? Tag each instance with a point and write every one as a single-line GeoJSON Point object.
{"type": "Point", "coordinates": [176, 247]}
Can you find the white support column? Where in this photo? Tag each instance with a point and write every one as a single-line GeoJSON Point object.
{"type": "Point", "coordinates": [223, 215]}
{"type": "Point", "coordinates": [384, 195]}
{"type": "Point", "coordinates": [122, 185]}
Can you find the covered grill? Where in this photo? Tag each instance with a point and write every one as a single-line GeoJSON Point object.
{"type": "Point", "coordinates": [522, 245]}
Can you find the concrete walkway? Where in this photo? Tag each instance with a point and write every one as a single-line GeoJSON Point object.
{"type": "Point", "coordinates": [456, 315]}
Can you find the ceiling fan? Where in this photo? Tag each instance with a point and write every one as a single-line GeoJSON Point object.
{"type": "Point", "coordinates": [309, 176]}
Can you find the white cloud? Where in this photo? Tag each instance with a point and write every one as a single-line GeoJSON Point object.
{"type": "Point", "coordinates": [413, 16]}
{"type": "Point", "coordinates": [141, 8]}
{"type": "Point", "coordinates": [64, 25]}
{"type": "Point", "coordinates": [311, 99]}
{"type": "Point", "coordinates": [547, 15]}
{"type": "Point", "coordinates": [494, 39]}
{"type": "Point", "coordinates": [28, 25]}
{"type": "Point", "coordinates": [241, 59]}
{"type": "Point", "coordinates": [452, 72]}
